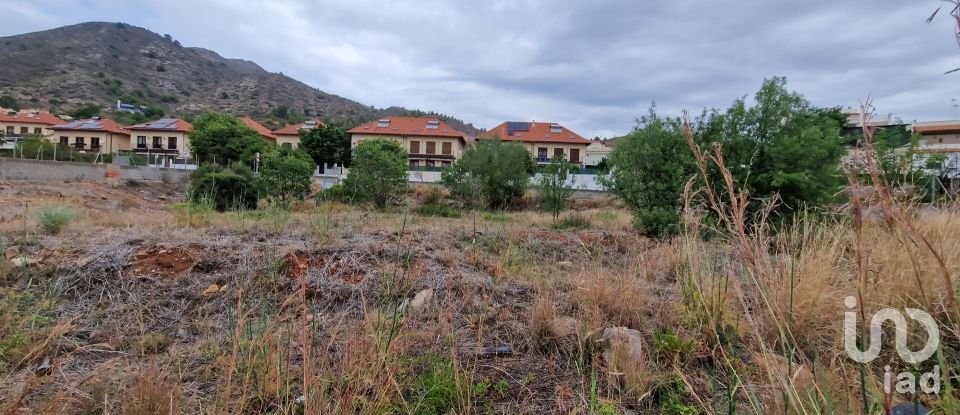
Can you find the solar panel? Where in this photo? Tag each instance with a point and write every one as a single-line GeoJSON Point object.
{"type": "Point", "coordinates": [514, 126]}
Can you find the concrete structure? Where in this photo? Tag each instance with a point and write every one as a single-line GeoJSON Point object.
{"type": "Point", "coordinates": [167, 137]}
{"type": "Point", "coordinates": [290, 135]}
{"type": "Point", "coordinates": [429, 142]}
{"type": "Point", "coordinates": [544, 140]}
{"type": "Point", "coordinates": [260, 129]}
{"type": "Point", "coordinates": [96, 135]}
{"type": "Point", "coordinates": [597, 151]}
{"type": "Point", "coordinates": [28, 122]}
{"type": "Point", "coordinates": [939, 134]}
{"type": "Point", "coordinates": [61, 171]}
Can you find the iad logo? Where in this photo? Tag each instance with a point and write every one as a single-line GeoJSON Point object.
{"type": "Point", "coordinates": [906, 381]}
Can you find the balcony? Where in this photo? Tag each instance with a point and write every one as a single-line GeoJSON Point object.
{"type": "Point", "coordinates": [79, 146]}
{"type": "Point", "coordinates": [547, 160]}
{"type": "Point", "coordinates": [421, 156]}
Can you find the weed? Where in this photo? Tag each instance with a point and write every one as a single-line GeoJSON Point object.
{"type": "Point", "coordinates": [573, 222]}
{"type": "Point", "coordinates": [53, 219]}
{"type": "Point", "coordinates": [495, 217]}
{"type": "Point", "coordinates": [194, 213]}
{"type": "Point", "coordinates": [439, 210]}
{"type": "Point", "coordinates": [154, 393]}
{"type": "Point", "coordinates": [154, 343]}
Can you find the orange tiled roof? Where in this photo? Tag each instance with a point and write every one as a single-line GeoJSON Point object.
{"type": "Point", "coordinates": [940, 127]}
{"type": "Point", "coordinates": [407, 126]}
{"type": "Point", "coordinates": [163, 124]}
{"type": "Point", "coordinates": [93, 124]}
{"type": "Point", "coordinates": [260, 129]}
{"type": "Point", "coordinates": [534, 132]}
{"type": "Point", "coordinates": [294, 129]}
{"type": "Point", "coordinates": [31, 117]}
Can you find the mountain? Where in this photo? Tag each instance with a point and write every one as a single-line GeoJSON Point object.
{"type": "Point", "coordinates": [68, 68]}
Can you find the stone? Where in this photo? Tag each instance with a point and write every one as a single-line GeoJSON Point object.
{"type": "Point", "coordinates": [565, 264]}
{"type": "Point", "coordinates": [564, 326]}
{"type": "Point", "coordinates": [211, 290]}
{"type": "Point", "coordinates": [44, 368]}
{"type": "Point", "coordinates": [624, 337]}
{"type": "Point", "coordinates": [11, 252]}
{"type": "Point", "coordinates": [22, 261]}
{"type": "Point", "coordinates": [421, 300]}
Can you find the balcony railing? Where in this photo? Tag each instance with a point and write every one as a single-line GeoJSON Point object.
{"type": "Point", "coordinates": [431, 156]}
{"type": "Point", "coordinates": [547, 160]}
{"type": "Point", "coordinates": [79, 146]}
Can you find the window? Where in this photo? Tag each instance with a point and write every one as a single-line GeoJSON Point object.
{"type": "Point", "coordinates": [542, 153]}
{"type": "Point", "coordinates": [78, 143]}
{"type": "Point", "coordinates": [157, 142]}
{"type": "Point", "coordinates": [556, 128]}
{"type": "Point", "coordinates": [574, 155]}
{"type": "Point", "coordinates": [558, 153]}
{"type": "Point", "coordinates": [94, 142]}
{"type": "Point", "coordinates": [141, 141]}
{"type": "Point", "coordinates": [172, 143]}
{"type": "Point", "coordinates": [431, 147]}
{"type": "Point", "coordinates": [431, 163]}
{"type": "Point", "coordinates": [384, 123]}
{"type": "Point", "coordinates": [414, 147]}
{"type": "Point", "coordinates": [24, 130]}
{"type": "Point", "coordinates": [446, 148]}
{"type": "Point", "coordinates": [64, 140]}
{"type": "Point", "coordinates": [287, 145]}
{"type": "Point", "coordinates": [433, 124]}
{"type": "Point", "coordinates": [445, 163]}
{"type": "Point", "coordinates": [414, 163]}
{"type": "Point", "coordinates": [9, 130]}
{"type": "Point", "coordinates": [38, 131]}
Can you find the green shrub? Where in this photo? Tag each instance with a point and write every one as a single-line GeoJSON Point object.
{"type": "Point", "coordinates": [335, 193]}
{"type": "Point", "coordinates": [491, 172]}
{"type": "Point", "coordinates": [439, 210]}
{"type": "Point", "coordinates": [53, 219]}
{"type": "Point", "coordinates": [378, 173]}
{"type": "Point", "coordinates": [285, 175]}
{"type": "Point", "coordinates": [555, 187]}
{"type": "Point", "coordinates": [231, 188]}
{"type": "Point", "coordinates": [657, 222]}
{"type": "Point", "coordinates": [571, 223]}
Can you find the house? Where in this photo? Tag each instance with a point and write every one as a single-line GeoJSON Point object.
{"type": "Point", "coordinates": [166, 137]}
{"type": "Point", "coordinates": [28, 122]}
{"type": "Point", "coordinates": [940, 138]}
{"type": "Point", "coordinates": [544, 140]}
{"type": "Point", "coordinates": [429, 142]}
{"type": "Point", "coordinates": [597, 151]}
{"type": "Point", "coordinates": [260, 129]}
{"type": "Point", "coordinates": [96, 135]}
{"type": "Point", "coordinates": [290, 135]}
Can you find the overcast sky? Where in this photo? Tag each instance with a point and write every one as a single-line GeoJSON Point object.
{"type": "Point", "coordinates": [592, 65]}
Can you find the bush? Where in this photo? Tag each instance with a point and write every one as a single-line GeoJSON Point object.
{"type": "Point", "coordinates": [378, 173]}
{"type": "Point", "coordinates": [53, 219]}
{"type": "Point", "coordinates": [571, 223]}
{"type": "Point", "coordinates": [285, 175]}
{"type": "Point", "coordinates": [335, 193]}
{"type": "Point", "coordinates": [223, 139]}
{"type": "Point", "coordinates": [555, 187]}
{"type": "Point", "coordinates": [230, 188]}
{"type": "Point", "coordinates": [439, 210]}
{"type": "Point", "coordinates": [491, 172]}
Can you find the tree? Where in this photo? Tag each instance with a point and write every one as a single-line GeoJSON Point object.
{"type": "Point", "coordinates": [285, 175]}
{"type": "Point", "coordinates": [378, 173]}
{"type": "Point", "coordinates": [226, 188]}
{"type": "Point", "coordinates": [648, 171]}
{"type": "Point", "coordinates": [326, 144]}
{"type": "Point", "coordinates": [554, 186]}
{"type": "Point", "coordinates": [9, 102]}
{"type": "Point", "coordinates": [782, 146]}
{"type": "Point", "coordinates": [222, 139]}
{"type": "Point", "coordinates": [503, 170]}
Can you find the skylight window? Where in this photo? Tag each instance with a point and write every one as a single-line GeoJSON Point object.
{"type": "Point", "coordinates": [556, 128]}
{"type": "Point", "coordinates": [433, 124]}
{"type": "Point", "coordinates": [384, 123]}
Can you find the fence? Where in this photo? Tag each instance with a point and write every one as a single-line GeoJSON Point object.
{"type": "Point", "coordinates": [39, 170]}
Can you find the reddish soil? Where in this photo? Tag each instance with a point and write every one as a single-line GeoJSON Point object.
{"type": "Point", "coordinates": [165, 262]}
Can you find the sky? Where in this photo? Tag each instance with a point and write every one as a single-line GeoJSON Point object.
{"type": "Point", "coordinates": [592, 65]}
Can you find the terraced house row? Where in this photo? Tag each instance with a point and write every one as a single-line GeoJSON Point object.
{"type": "Point", "coordinates": [430, 142]}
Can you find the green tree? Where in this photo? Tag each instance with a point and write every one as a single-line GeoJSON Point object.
{"type": "Point", "coordinates": [285, 175]}
{"type": "Point", "coordinates": [648, 171]}
{"type": "Point", "coordinates": [227, 188]}
{"type": "Point", "coordinates": [503, 170]}
{"type": "Point", "coordinates": [555, 186]}
{"type": "Point", "coordinates": [326, 144]}
{"type": "Point", "coordinates": [9, 102]}
{"type": "Point", "coordinates": [781, 146]}
{"type": "Point", "coordinates": [378, 172]}
{"type": "Point", "coordinates": [223, 139]}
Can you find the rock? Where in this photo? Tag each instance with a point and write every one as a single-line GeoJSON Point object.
{"type": "Point", "coordinates": [22, 261]}
{"type": "Point", "coordinates": [211, 290]}
{"type": "Point", "coordinates": [421, 300]}
{"type": "Point", "coordinates": [628, 339]}
{"type": "Point", "coordinates": [564, 326]}
{"type": "Point", "coordinates": [44, 368]}
{"type": "Point", "coordinates": [11, 252]}
{"type": "Point", "coordinates": [565, 264]}
{"type": "Point", "coordinates": [182, 333]}
{"type": "Point", "coordinates": [909, 408]}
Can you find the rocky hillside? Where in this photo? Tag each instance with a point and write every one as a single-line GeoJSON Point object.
{"type": "Point", "coordinates": [98, 63]}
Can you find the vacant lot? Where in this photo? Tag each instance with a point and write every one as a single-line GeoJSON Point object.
{"type": "Point", "coordinates": [141, 304]}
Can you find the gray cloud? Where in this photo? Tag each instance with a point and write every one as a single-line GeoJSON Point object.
{"type": "Point", "coordinates": [591, 65]}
